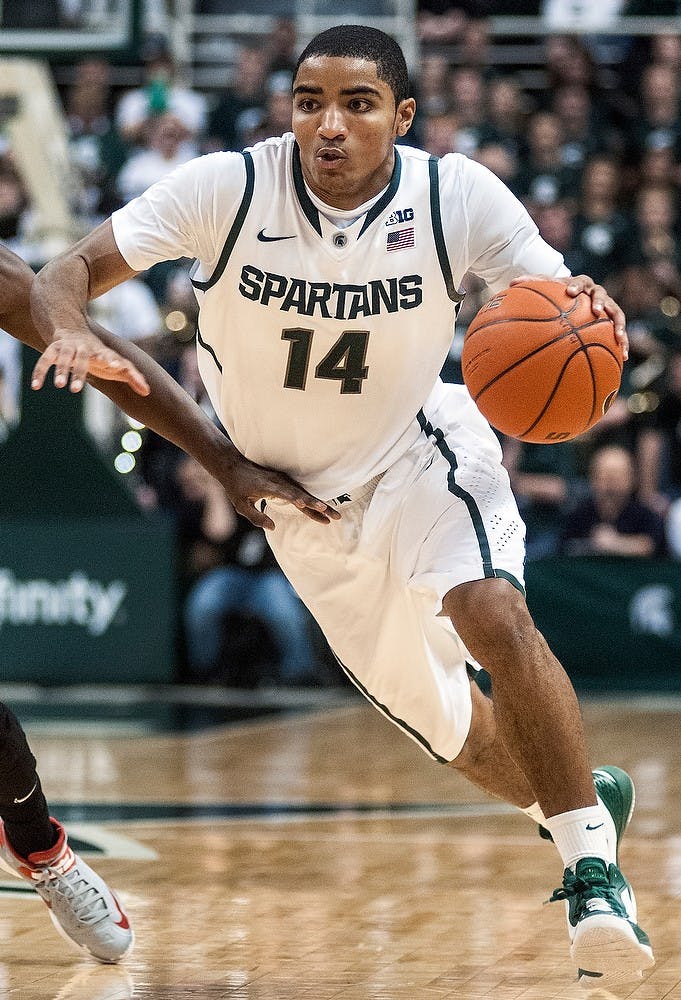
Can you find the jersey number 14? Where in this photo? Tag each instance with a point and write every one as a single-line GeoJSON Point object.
{"type": "Point", "coordinates": [345, 361]}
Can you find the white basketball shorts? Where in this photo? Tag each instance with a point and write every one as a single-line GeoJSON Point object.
{"type": "Point", "coordinates": [442, 515]}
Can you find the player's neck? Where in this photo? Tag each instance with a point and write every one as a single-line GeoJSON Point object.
{"type": "Point", "coordinates": [341, 216]}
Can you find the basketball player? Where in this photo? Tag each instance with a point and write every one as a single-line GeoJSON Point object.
{"type": "Point", "coordinates": [33, 845]}
{"type": "Point", "coordinates": [328, 263]}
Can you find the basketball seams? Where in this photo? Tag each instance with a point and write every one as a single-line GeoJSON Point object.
{"type": "Point", "coordinates": [503, 321]}
{"type": "Point", "coordinates": [516, 364]}
{"type": "Point", "coordinates": [556, 386]}
{"type": "Point", "coordinates": [592, 373]}
{"type": "Point", "coordinates": [537, 350]}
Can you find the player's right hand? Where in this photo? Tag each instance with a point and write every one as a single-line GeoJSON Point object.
{"type": "Point", "coordinates": [77, 356]}
{"type": "Point", "coordinates": [247, 484]}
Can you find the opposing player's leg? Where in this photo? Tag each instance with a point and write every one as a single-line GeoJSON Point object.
{"type": "Point", "coordinates": [536, 723]}
{"type": "Point", "coordinates": [34, 847]}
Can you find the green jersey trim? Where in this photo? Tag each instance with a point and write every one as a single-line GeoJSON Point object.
{"type": "Point", "coordinates": [386, 711]}
{"type": "Point", "coordinates": [476, 517]}
{"type": "Point", "coordinates": [438, 233]}
{"type": "Point", "coordinates": [236, 227]}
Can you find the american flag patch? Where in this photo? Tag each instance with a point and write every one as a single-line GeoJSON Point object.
{"type": "Point", "coordinates": [400, 239]}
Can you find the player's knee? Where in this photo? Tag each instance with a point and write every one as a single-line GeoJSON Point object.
{"type": "Point", "coordinates": [493, 621]}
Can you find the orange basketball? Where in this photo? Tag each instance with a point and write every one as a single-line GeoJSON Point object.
{"type": "Point", "coordinates": [540, 364]}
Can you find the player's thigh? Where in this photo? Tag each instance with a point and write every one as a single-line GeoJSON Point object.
{"type": "Point", "coordinates": [459, 523]}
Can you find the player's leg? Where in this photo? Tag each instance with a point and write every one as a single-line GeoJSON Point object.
{"type": "Point", "coordinates": [539, 727]}
{"type": "Point", "coordinates": [536, 709]}
{"type": "Point", "coordinates": [35, 847]}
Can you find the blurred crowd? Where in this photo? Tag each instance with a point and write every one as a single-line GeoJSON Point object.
{"type": "Point", "coordinates": [594, 153]}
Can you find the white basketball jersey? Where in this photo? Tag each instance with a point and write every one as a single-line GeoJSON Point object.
{"type": "Point", "coordinates": [319, 346]}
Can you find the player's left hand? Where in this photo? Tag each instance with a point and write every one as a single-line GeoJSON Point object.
{"type": "Point", "coordinates": [601, 302]}
{"type": "Point", "coordinates": [77, 356]}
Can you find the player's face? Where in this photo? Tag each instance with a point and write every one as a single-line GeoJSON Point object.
{"type": "Point", "coordinates": [346, 123]}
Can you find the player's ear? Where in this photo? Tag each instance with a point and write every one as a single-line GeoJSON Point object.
{"type": "Point", "coordinates": [405, 115]}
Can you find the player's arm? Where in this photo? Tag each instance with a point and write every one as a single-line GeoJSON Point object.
{"type": "Point", "coordinates": [15, 317]}
{"type": "Point", "coordinates": [59, 296]}
{"type": "Point", "coordinates": [505, 246]}
{"type": "Point", "coordinates": [173, 414]}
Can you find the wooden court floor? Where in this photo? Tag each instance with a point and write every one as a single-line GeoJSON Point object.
{"type": "Point", "coordinates": [319, 855]}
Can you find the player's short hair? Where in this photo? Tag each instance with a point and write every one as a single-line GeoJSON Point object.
{"type": "Point", "coordinates": [358, 41]}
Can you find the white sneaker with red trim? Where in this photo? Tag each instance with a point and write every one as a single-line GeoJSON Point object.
{"type": "Point", "coordinates": [82, 907]}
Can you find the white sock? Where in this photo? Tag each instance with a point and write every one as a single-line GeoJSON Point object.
{"type": "Point", "coordinates": [581, 833]}
{"type": "Point", "coordinates": [584, 817]}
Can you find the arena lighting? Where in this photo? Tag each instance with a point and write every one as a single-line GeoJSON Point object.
{"type": "Point", "coordinates": [670, 306]}
{"type": "Point", "coordinates": [124, 463]}
{"type": "Point", "coordinates": [643, 402]}
{"type": "Point", "coordinates": [131, 441]}
{"type": "Point", "coordinates": [176, 321]}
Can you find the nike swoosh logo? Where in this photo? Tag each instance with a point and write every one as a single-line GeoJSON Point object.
{"type": "Point", "coordinates": [272, 239]}
{"type": "Point", "coordinates": [597, 827]}
{"type": "Point", "coordinates": [19, 801]}
{"type": "Point", "coordinates": [123, 922]}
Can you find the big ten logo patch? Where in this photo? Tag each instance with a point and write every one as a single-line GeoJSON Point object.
{"type": "Point", "coordinates": [400, 215]}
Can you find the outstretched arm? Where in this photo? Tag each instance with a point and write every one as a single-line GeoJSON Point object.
{"type": "Point", "coordinates": [167, 409]}
{"type": "Point", "coordinates": [15, 289]}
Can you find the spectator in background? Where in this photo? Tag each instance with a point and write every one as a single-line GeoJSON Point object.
{"type": "Point", "coordinates": [604, 232]}
{"type": "Point", "coordinates": [658, 165]}
{"type": "Point", "coordinates": [161, 94]}
{"type": "Point", "coordinates": [433, 83]}
{"type": "Point", "coordinates": [506, 115]}
{"type": "Point", "coordinates": [543, 178]}
{"type": "Point", "coordinates": [582, 134]}
{"type": "Point", "coordinates": [556, 223]}
{"type": "Point", "coordinates": [569, 61]}
{"type": "Point", "coordinates": [659, 454]}
{"type": "Point", "coordinates": [438, 130]}
{"type": "Point", "coordinates": [14, 205]}
{"type": "Point", "coordinates": [468, 97]}
{"type": "Point", "coordinates": [540, 479]}
{"type": "Point", "coordinates": [96, 146]}
{"type": "Point", "coordinates": [440, 21]}
{"type": "Point", "coordinates": [665, 50]}
{"type": "Point", "coordinates": [658, 238]}
{"type": "Point", "coordinates": [246, 93]}
{"type": "Point", "coordinates": [231, 570]}
{"type": "Point", "coordinates": [281, 47]}
{"type": "Point", "coordinates": [475, 47]}
{"type": "Point", "coordinates": [501, 160]}
{"type": "Point", "coordinates": [167, 147]}
{"type": "Point", "coordinates": [611, 520]}
{"type": "Point", "coordinates": [657, 122]}
{"type": "Point", "coordinates": [275, 117]}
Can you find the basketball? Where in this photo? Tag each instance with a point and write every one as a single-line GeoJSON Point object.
{"type": "Point", "coordinates": [540, 364]}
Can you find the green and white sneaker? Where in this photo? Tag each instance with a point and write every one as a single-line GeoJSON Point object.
{"type": "Point", "coordinates": [615, 789]}
{"type": "Point", "coordinates": [607, 945]}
